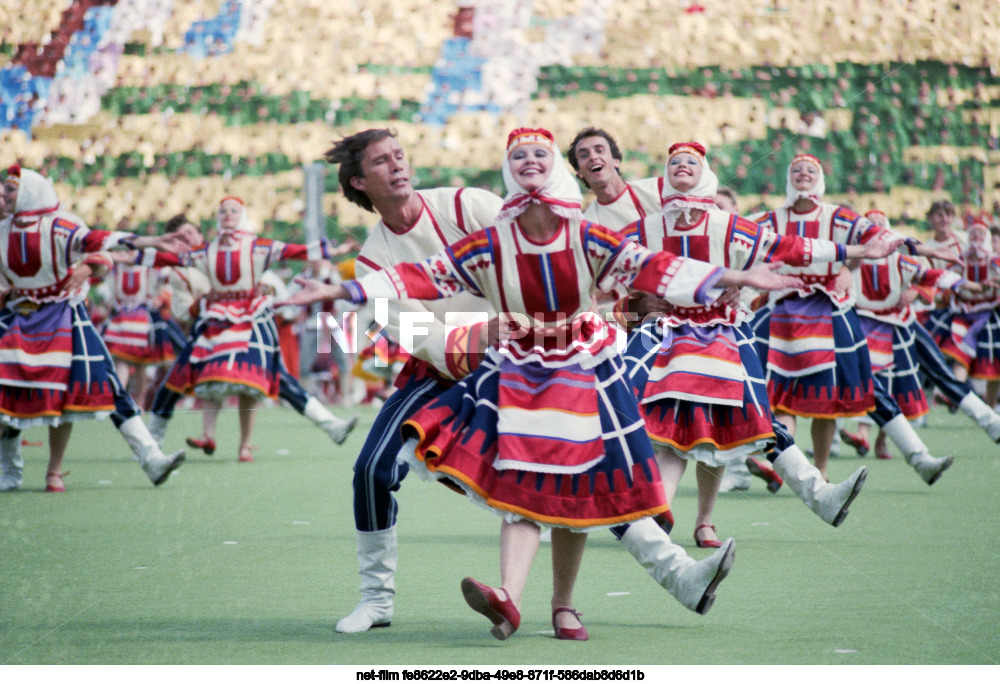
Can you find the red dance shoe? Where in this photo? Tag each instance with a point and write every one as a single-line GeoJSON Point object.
{"type": "Point", "coordinates": [569, 633]}
{"type": "Point", "coordinates": [54, 482]}
{"type": "Point", "coordinates": [763, 470]}
{"type": "Point", "coordinates": [859, 443]}
{"type": "Point", "coordinates": [206, 444]}
{"type": "Point", "coordinates": [706, 543]}
{"type": "Point", "coordinates": [246, 454]}
{"type": "Point", "coordinates": [485, 600]}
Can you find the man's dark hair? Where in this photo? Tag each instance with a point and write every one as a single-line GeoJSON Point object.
{"type": "Point", "coordinates": [941, 205]}
{"type": "Point", "coordinates": [592, 132]}
{"type": "Point", "coordinates": [175, 222]}
{"type": "Point", "coordinates": [728, 192]}
{"type": "Point", "coordinates": [348, 152]}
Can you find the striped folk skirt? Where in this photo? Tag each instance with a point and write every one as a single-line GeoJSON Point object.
{"type": "Point", "coordinates": [818, 364]}
{"type": "Point", "coordinates": [139, 336]}
{"type": "Point", "coordinates": [213, 366]}
{"type": "Point", "coordinates": [54, 367]}
{"type": "Point", "coordinates": [701, 390]}
{"type": "Point", "coordinates": [974, 342]}
{"type": "Point", "coordinates": [562, 446]}
{"type": "Point", "coordinates": [901, 377]}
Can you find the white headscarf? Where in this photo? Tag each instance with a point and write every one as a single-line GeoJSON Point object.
{"type": "Point", "coordinates": [815, 193]}
{"type": "Point", "coordinates": [35, 196]}
{"type": "Point", "coordinates": [561, 192]}
{"type": "Point", "coordinates": [243, 225]}
{"type": "Point", "coordinates": [702, 196]}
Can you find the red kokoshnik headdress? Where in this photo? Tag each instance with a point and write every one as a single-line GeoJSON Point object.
{"type": "Point", "coordinates": [560, 192]}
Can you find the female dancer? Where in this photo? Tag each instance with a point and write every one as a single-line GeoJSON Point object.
{"type": "Point", "coordinates": [56, 368]}
{"type": "Point", "coordinates": [817, 357]}
{"type": "Point", "coordinates": [889, 324]}
{"type": "Point", "coordinates": [700, 384]}
{"type": "Point", "coordinates": [234, 349]}
{"type": "Point", "coordinates": [546, 430]}
{"type": "Point", "coordinates": [973, 341]}
{"type": "Point", "coordinates": [136, 333]}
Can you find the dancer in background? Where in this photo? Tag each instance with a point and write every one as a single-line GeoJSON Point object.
{"type": "Point", "coordinates": [817, 357]}
{"type": "Point", "coordinates": [58, 369]}
{"type": "Point", "coordinates": [234, 351]}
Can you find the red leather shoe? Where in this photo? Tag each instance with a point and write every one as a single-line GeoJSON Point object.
{"type": "Point", "coordinates": [54, 482]}
{"type": "Point", "coordinates": [569, 633]}
{"type": "Point", "coordinates": [246, 455]}
{"type": "Point", "coordinates": [859, 443]}
{"type": "Point", "coordinates": [706, 543]}
{"type": "Point", "coordinates": [665, 520]}
{"type": "Point", "coordinates": [501, 612]}
{"type": "Point", "coordinates": [206, 444]}
{"type": "Point", "coordinates": [763, 470]}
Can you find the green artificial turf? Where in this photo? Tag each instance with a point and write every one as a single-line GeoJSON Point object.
{"type": "Point", "coordinates": [231, 563]}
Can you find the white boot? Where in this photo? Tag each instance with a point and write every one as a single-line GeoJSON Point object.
{"type": "Point", "coordinates": [11, 463]}
{"type": "Point", "coordinates": [830, 502]}
{"type": "Point", "coordinates": [377, 559]}
{"type": "Point", "coordinates": [157, 465]}
{"type": "Point", "coordinates": [915, 451]}
{"type": "Point", "coordinates": [689, 581]}
{"type": "Point", "coordinates": [336, 428]}
{"type": "Point", "coordinates": [158, 427]}
{"type": "Point", "coordinates": [985, 417]}
{"type": "Point", "coordinates": [736, 478]}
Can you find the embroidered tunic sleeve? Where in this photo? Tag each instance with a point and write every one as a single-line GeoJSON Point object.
{"type": "Point", "coordinates": [443, 275]}
{"type": "Point", "coordinates": [617, 261]}
{"type": "Point", "coordinates": [750, 244]}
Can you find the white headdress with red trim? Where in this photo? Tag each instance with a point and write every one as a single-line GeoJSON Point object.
{"type": "Point", "coordinates": [702, 196]}
{"type": "Point", "coordinates": [242, 226]}
{"type": "Point", "coordinates": [561, 193]}
{"type": "Point", "coordinates": [815, 193]}
{"type": "Point", "coordinates": [35, 195]}
{"type": "Point", "coordinates": [979, 250]}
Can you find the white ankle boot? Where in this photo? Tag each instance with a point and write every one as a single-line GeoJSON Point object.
{"type": "Point", "coordinates": [11, 463]}
{"type": "Point", "coordinates": [902, 434]}
{"type": "Point", "coordinates": [830, 502]}
{"type": "Point", "coordinates": [337, 428]}
{"type": "Point", "coordinates": [691, 582]}
{"type": "Point", "coordinates": [157, 465]}
{"type": "Point", "coordinates": [985, 417]}
{"type": "Point", "coordinates": [377, 559]}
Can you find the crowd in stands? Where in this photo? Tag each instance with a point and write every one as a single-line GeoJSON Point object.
{"type": "Point", "coordinates": [131, 130]}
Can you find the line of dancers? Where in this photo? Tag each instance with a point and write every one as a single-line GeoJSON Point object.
{"type": "Point", "coordinates": [518, 396]}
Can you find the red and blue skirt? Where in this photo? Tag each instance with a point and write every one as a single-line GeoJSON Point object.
{"type": "Point", "coordinates": [701, 390]}
{"type": "Point", "coordinates": [227, 357]}
{"type": "Point", "coordinates": [54, 366]}
{"type": "Point", "coordinates": [974, 342]}
{"type": "Point", "coordinates": [139, 336]}
{"type": "Point", "coordinates": [560, 445]}
{"type": "Point", "coordinates": [901, 377]}
{"type": "Point", "coordinates": [818, 364]}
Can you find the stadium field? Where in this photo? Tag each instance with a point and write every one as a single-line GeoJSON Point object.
{"type": "Point", "coordinates": [231, 563]}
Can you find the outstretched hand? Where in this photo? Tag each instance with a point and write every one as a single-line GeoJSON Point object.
{"type": "Point", "coordinates": [940, 253]}
{"type": "Point", "coordinates": [879, 249]}
{"type": "Point", "coordinates": [762, 277]}
{"type": "Point", "coordinates": [314, 291]}
{"type": "Point", "coordinates": [77, 277]}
